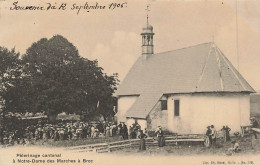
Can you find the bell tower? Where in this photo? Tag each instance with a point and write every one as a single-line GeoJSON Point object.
{"type": "Point", "coordinates": [147, 37]}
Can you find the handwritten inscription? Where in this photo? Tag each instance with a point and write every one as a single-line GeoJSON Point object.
{"type": "Point", "coordinates": [64, 6]}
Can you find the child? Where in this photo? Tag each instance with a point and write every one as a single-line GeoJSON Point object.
{"type": "Point", "coordinates": [234, 149]}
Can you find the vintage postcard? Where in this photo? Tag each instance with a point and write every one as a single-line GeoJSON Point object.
{"type": "Point", "coordinates": [129, 82]}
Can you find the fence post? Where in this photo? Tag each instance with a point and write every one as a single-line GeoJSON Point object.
{"type": "Point", "coordinates": [176, 139]}
{"type": "Point", "coordinates": [108, 147]}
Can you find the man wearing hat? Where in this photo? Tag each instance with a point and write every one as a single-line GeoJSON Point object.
{"type": "Point", "coordinates": [213, 135]}
{"type": "Point", "coordinates": [208, 133]}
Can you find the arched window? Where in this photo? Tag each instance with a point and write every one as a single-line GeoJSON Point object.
{"type": "Point", "coordinates": [148, 40]}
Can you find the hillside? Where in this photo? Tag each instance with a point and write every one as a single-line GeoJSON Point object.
{"type": "Point", "coordinates": [255, 105]}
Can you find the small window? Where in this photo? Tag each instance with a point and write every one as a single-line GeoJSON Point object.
{"type": "Point", "coordinates": [176, 107]}
{"type": "Point", "coordinates": [164, 104]}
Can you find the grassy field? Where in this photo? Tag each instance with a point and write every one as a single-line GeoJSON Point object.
{"type": "Point", "coordinates": [170, 149]}
{"type": "Point", "coordinates": [188, 150]}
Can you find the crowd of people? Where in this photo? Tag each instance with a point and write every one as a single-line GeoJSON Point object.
{"type": "Point", "coordinates": [226, 135]}
{"type": "Point", "coordinates": [212, 134]}
{"type": "Point", "coordinates": [74, 130]}
{"type": "Point", "coordinates": [70, 130]}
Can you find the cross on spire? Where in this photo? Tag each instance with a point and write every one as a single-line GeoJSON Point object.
{"type": "Point", "coordinates": [147, 9]}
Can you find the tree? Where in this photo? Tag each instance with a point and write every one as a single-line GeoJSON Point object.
{"type": "Point", "coordinates": [46, 68]}
{"type": "Point", "coordinates": [109, 84]}
{"type": "Point", "coordinates": [56, 79]}
{"type": "Point", "coordinates": [99, 88]}
{"type": "Point", "coordinates": [10, 72]}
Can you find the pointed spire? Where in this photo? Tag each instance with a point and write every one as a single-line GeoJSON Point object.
{"type": "Point", "coordinates": [147, 20]}
{"type": "Point", "coordinates": [147, 36]}
{"type": "Point", "coordinates": [147, 9]}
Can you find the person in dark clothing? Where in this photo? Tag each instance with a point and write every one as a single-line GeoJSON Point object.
{"type": "Point", "coordinates": [120, 128]}
{"type": "Point", "coordinates": [223, 129]}
{"type": "Point", "coordinates": [84, 132]}
{"type": "Point", "coordinates": [227, 133]}
{"type": "Point", "coordinates": [124, 131]}
{"type": "Point", "coordinates": [89, 131]}
{"type": "Point", "coordinates": [213, 135]}
{"type": "Point", "coordinates": [56, 135]}
{"type": "Point", "coordinates": [69, 133]}
{"type": "Point", "coordinates": [132, 133]}
{"type": "Point", "coordinates": [114, 130]}
{"type": "Point", "coordinates": [255, 124]}
{"type": "Point", "coordinates": [142, 137]}
{"type": "Point", "coordinates": [160, 136]}
{"type": "Point", "coordinates": [100, 128]}
{"type": "Point", "coordinates": [208, 133]}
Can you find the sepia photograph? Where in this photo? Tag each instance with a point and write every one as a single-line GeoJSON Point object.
{"type": "Point", "coordinates": [130, 82]}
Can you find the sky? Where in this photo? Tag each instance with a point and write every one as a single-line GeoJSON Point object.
{"type": "Point", "coordinates": [113, 36]}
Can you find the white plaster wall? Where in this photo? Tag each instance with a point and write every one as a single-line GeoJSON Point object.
{"type": "Point", "coordinates": [124, 103]}
{"type": "Point", "coordinates": [197, 111]}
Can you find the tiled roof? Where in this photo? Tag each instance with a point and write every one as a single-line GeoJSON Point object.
{"type": "Point", "coordinates": [143, 105]}
{"type": "Point", "coordinates": [200, 68]}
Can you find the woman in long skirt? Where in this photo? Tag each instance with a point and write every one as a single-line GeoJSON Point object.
{"type": "Point", "coordinates": [161, 140]}
{"type": "Point", "coordinates": [142, 137]}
